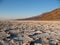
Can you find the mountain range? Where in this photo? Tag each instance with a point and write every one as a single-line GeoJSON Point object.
{"type": "Point", "coordinates": [52, 15]}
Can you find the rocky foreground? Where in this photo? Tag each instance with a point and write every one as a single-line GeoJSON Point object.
{"type": "Point", "coordinates": [29, 33]}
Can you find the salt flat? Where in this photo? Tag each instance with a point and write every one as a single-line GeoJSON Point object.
{"type": "Point", "coordinates": [16, 32]}
{"type": "Point", "coordinates": [39, 21]}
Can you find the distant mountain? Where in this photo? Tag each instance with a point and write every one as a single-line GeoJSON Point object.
{"type": "Point", "coordinates": [53, 15]}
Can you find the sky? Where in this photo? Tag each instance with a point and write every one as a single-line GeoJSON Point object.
{"type": "Point", "coordinates": [15, 9]}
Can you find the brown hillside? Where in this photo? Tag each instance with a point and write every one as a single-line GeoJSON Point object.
{"type": "Point", "coordinates": [53, 15]}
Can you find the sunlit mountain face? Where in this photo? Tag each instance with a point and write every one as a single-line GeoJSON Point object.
{"type": "Point", "coordinates": [53, 15]}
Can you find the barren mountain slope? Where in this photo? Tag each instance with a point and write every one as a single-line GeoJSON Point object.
{"type": "Point", "coordinates": [53, 15]}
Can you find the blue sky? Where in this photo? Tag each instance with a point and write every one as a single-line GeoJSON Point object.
{"type": "Point", "coordinates": [11, 9]}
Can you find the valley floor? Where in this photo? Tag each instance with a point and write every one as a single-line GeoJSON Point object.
{"type": "Point", "coordinates": [29, 32]}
